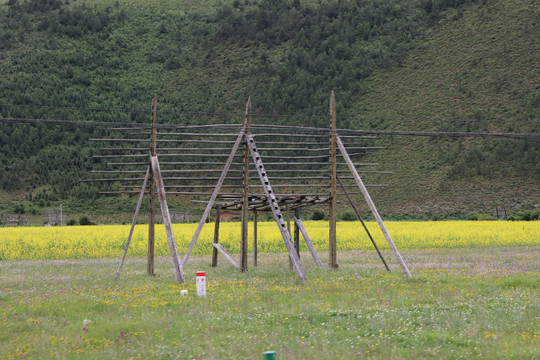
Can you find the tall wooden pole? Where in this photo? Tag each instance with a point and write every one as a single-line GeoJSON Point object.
{"type": "Point", "coordinates": [245, 183]}
{"type": "Point", "coordinates": [297, 232]}
{"type": "Point", "coordinates": [289, 230]}
{"type": "Point", "coordinates": [216, 236]}
{"type": "Point", "coordinates": [255, 238]}
{"type": "Point", "coordinates": [332, 246]}
{"type": "Point", "coordinates": [152, 212]}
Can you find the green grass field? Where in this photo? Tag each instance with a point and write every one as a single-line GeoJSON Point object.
{"type": "Point", "coordinates": [480, 303]}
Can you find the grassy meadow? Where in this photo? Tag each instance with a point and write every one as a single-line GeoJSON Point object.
{"type": "Point", "coordinates": [475, 300]}
{"type": "Point", "coordinates": [461, 304]}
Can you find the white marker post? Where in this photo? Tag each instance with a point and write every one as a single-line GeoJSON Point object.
{"type": "Point", "coordinates": [200, 279]}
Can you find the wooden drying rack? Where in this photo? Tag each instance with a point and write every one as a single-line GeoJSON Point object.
{"type": "Point", "coordinates": [244, 182]}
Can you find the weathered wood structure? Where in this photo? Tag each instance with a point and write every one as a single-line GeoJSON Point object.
{"type": "Point", "coordinates": [176, 216]}
{"type": "Point", "coordinates": [14, 220]}
{"type": "Point", "coordinates": [54, 217]}
{"type": "Point", "coordinates": [247, 167]}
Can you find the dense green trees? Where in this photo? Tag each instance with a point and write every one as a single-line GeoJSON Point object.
{"type": "Point", "coordinates": [61, 60]}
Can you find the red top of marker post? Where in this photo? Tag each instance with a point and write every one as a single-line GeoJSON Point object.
{"type": "Point", "coordinates": [200, 273]}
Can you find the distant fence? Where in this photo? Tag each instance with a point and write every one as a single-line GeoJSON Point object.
{"type": "Point", "coordinates": [176, 216]}
{"type": "Point", "coordinates": [14, 220]}
{"type": "Point", "coordinates": [54, 218]}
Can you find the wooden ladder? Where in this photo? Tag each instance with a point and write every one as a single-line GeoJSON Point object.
{"type": "Point", "coordinates": [271, 198]}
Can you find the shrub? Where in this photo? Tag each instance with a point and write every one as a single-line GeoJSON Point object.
{"type": "Point", "coordinates": [472, 216]}
{"type": "Point", "coordinates": [527, 215]}
{"type": "Point", "coordinates": [317, 215]}
{"type": "Point", "coordinates": [348, 216]}
{"type": "Point", "coordinates": [476, 216]}
{"type": "Point", "coordinates": [84, 220]}
{"type": "Point", "coordinates": [72, 222]}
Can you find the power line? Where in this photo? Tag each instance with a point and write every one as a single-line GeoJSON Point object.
{"type": "Point", "coordinates": [65, 122]}
{"type": "Point", "coordinates": [343, 132]}
{"type": "Point", "coordinates": [457, 120]}
{"type": "Point", "coordinates": [262, 115]}
{"type": "Point", "coordinates": [127, 111]}
{"type": "Point", "coordinates": [518, 136]}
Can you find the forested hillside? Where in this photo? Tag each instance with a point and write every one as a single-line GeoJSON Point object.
{"type": "Point", "coordinates": [445, 65]}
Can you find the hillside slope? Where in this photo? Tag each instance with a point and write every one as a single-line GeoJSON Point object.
{"type": "Point", "coordinates": [473, 64]}
{"type": "Point", "coordinates": [478, 70]}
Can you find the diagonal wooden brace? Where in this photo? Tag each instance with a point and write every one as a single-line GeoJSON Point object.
{"type": "Point", "coordinates": [275, 208]}
{"type": "Point", "coordinates": [133, 223]}
{"type": "Point", "coordinates": [372, 207]}
{"type": "Point", "coordinates": [214, 195]}
{"type": "Point", "coordinates": [308, 242]}
{"type": "Point", "coordinates": [227, 256]}
{"type": "Point", "coordinates": [177, 264]}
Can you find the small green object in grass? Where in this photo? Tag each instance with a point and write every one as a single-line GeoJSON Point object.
{"type": "Point", "coordinates": [270, 355]}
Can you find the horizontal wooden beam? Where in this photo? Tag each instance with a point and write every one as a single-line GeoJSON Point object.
{"type": "Point", "coordinates": [161, 155]}
{"type": "Point", "coordinates": [165, 178]}
{"type": "Point", "coordinates": [173, 171]}
{"type": "Point", "coordinates": [296, 149]}
{"type": "Point", "coordinates": [224, 195]}
{"type": "Point", "coordinates": [165, 149]}
{"type": "Point", "coordinates": [293, 157]}
{"type": "Point", "coordinates": [198, 163]}
{"type": "Point", "coordinates": [121, 140]}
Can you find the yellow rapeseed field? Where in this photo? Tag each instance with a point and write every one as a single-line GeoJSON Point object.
{"type": "Point", "coordinates": [33, 243]}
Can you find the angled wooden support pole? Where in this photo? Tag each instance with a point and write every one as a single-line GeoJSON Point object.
{"type": "Point", "coordinates": [214, 195]}
{"type": "Point", "coordinates": [364, 225]}
{"type": "Point", "coordinates": [272, 202]}
{"type": "Point", "coordinates": [143, 189]}
{"type": "Point", "coordinates": [372, 207]}
{"type": "Point", "coordinates": [227, 256]}
{"type": "Point", "coordinates": [177, 264]}
{"type": "Point", "coordinates": [309, 244]}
